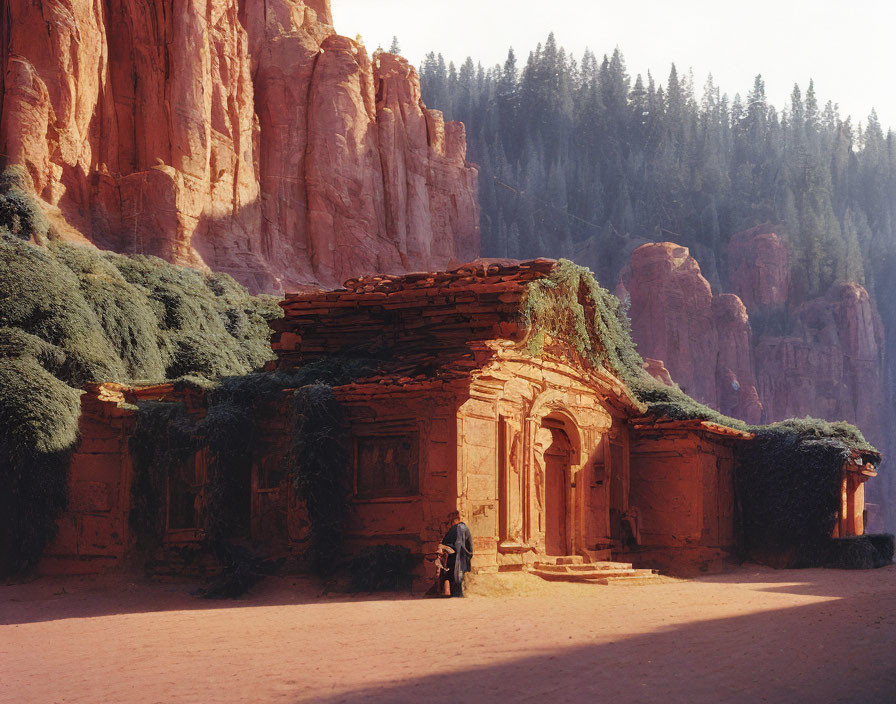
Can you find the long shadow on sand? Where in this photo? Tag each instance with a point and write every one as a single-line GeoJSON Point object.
{"type": "Point", "coordinates": [839, 650]}
{"type": "Point", "coordinates": [54, 599]}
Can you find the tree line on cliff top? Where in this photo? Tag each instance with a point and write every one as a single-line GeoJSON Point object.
{"type": "Point", "coordinates": [576, 154]}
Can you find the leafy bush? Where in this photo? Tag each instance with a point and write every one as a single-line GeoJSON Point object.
{"type": "Point", "coordinates": [861, 552]}
{"type": "Point", "coordinates": [382, 568]}
{"type": "Point", "coordinates": [38, 431]}
{"type": "Point", "coordinates": [240, 571]}
{"type": "Point", "coordinates": [885, 544]}
{"type": "Point", "coordinates": [788, 484]}
{"type": "Point", "coordinates": [20, 213]}
{"type": "Point", "coordinates": [127, 319]}
{"type": "Point", "coordinates": [71, 315]}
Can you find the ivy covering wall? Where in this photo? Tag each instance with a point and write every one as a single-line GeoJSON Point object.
{"type": "Point", "coordinates": [71, 315]}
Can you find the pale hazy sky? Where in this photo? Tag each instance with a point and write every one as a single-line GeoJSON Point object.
{"type": "Point", "coordinates": [848, 47]}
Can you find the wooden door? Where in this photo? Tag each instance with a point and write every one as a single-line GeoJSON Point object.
{"type": "Point", "coordinates": [556, 468]}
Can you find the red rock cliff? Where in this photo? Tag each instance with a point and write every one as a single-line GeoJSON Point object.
{"type": "Point", "coordinates": [822, 358]}
{"type": "Point", "coordinates": [241, 135]}
{"type": "Point", "coordinates": [759, 268]}
{"type": "Point", "coordinates": [672, 316]}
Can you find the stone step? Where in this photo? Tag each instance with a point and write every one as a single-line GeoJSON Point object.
{"type": "Point", "coordinates": [570, 560]}
{"type": "Point", "coordinates": [590, 576]}
{"type": "Point", "coordinates": [587, 567]}
{"type": "Point", "coordinates": [607, 565]}
{"type": "Point", "coordinates": [561, 560]}
{"type": "Point", "coordinates": [632, 580]}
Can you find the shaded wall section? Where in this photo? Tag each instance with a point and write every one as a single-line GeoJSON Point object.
{"type": "Point", "coordinates": [682, 483]}
{"type": "Point", "coordinates": [93, 531]}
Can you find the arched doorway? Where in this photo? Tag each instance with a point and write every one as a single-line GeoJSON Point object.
{"type": "Point", "coordinates": [557, 462]}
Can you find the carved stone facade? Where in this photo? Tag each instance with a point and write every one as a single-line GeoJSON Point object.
{"type": "Point", "coordinates": [522, 448]}
{"type": "Point", "coordinates": [545, 456]}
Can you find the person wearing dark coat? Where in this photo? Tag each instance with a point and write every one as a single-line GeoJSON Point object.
{"type": "Point", "coordinates": [459, 539]}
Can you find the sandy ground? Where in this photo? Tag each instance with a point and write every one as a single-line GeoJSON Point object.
{"type": "Point", "coordinates": [754, 635]}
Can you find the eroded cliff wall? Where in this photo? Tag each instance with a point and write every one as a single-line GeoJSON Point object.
{"type": "Point", "coordinates": [241, 135]}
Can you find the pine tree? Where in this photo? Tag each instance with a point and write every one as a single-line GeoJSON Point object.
{"type": "Point", "coordinates": [576, 157]}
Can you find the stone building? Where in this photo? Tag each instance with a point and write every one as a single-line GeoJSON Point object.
{"type": "Point", "coordinates": [532, 450]}
{"type": "Point", "coordinates": [551, 461]}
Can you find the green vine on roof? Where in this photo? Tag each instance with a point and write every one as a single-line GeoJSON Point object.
{"type": "Point", "coordinates": [572, 307]}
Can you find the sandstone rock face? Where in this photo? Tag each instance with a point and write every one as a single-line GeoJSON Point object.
{"type": "Point", "coordinates": [759, 268]}
{"type": "Point", "coordinates": [736, 393]}
{"type": "Point", "coordinates": [829, 364]}
{"type": "Point", "coordinates": [657, 370]}
{"type": "Point", "coordinates": [704, 341]}
{"type": "Point", "coordinates": [832, 367]}
{"type": "Point", "coordinates": [242, 136]}
{"type": "Point", "coordinates": [672, 315]}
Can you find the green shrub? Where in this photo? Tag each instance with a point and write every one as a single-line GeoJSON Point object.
{"type": "Point", "coordinates": [240, 570]}
{"type": "Point", "coordinates": [885, 544]}
{"type": "Point", "coordinates": [209, 325]}
{"type": "Point", "coordinates": [121, 314]}
{"type": "Point", "coordinates": [71, 315]}
{"type": "Point", "coordinates": [382, 568]}
{"type": "Point", "coordinates": [861, 552]}
{"type": "Point", "coordinates": [38, 431]}
{"type": "Point", "coordinates": [788, 485]}
{"type": "Point", "coordinates": [41, 296]}
{"type": "Point", "coordinates": [20, 213]}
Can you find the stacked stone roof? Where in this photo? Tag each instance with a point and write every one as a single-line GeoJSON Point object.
{"type": "Point", "coordinates": [415, 322]}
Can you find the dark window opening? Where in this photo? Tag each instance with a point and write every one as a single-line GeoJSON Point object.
{"type": "Point", "coordinates": [184, 492]}
{"type": "Point", "coordinates": [387, 466]}
{"type": "Point", "coordinates": [271, 473]}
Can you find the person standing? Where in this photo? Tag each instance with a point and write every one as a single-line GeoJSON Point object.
{"type": "Point", "coordinates": [459, 539]}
